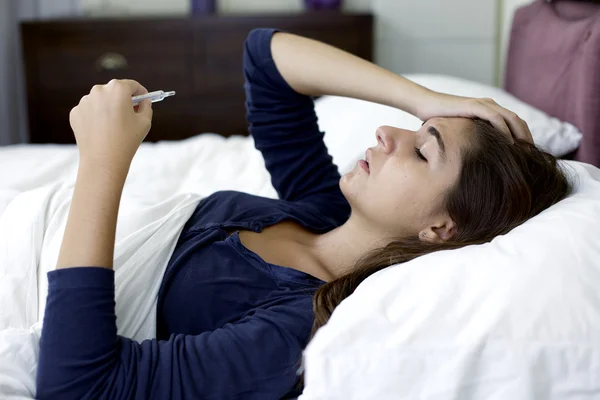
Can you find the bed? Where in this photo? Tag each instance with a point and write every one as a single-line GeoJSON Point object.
{"type": "Point", "coordinates": [35, 180]}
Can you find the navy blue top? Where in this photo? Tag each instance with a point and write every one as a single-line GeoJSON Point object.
{"type": "Point", "coordinates": [230, 325]}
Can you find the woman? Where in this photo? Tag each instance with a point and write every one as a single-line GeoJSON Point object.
{"type": "Point", "coordinates": [235, 305]}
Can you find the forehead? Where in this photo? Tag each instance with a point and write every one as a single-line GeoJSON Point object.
{"type": "Point", "coordinates": [450, 125]}
{"type": "Point", "coordinates": [455, 132]}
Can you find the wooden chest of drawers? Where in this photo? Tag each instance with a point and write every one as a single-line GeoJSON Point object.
{"type": "Point", "coordinates": [200, 58]}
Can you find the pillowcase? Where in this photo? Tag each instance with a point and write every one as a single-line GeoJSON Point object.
{"type": "Point", "coordinates": [516, 318]}
{"type": "Point", "coordinates": [345, 119]}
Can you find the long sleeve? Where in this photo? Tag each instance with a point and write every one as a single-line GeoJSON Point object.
{"type": "Point", "coordinates": [284, 126]}
{"type": "Point", "coordinates": [82, 357]}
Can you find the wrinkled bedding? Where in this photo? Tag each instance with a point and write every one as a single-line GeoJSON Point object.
{"type": "Point", "coordinates": [166, 182]}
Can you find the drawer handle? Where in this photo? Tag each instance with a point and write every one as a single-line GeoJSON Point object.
{"type": "Point", "coordinates": [112, 62]}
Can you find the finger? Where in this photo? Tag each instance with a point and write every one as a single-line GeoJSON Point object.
{"type": "Point", "coordinates": [134, 88]}
{"type": "Point", "coordinates": [145, 108]}
{"type": "Point", "coordinates": [518, 127]}
{"type": "Point", "coordinates": [96, 88]}
{"type": "Point", "coordinates": [490, 114]}
{"type": "Point", "coordinates": [527, 135]}
{"type": "Point", "coordinates": [521, 130]}
{"type": "Point", "coordinates": [526, 129]}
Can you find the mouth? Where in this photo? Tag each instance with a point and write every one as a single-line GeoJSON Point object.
{"type": "Point", "coordinates": [364, 164]}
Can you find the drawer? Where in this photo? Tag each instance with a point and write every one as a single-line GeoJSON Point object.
{"type": "Point", "coordinates": [219, 49]}
{"type": "Point", "coordinates": [199, 57]}
{"type": "Point", "coordinates": [219, 54]}
{"type": "Point", "coordinates": [51, 124]}
{"type": "Point", "coordinates": [185, 119]}
{"type": "Point", "coordinates": [176, 118]}
{"type": "Point", "coordinates": [74, 57]}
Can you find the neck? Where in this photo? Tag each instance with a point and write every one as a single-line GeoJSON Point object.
{"type": "Point", "coordinates": [337, 251]}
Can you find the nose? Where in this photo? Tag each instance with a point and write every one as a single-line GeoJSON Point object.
{"type": "Point", "coordinates": [391, 139]}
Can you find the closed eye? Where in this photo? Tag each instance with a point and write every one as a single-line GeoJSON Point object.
{"type": "Point", "coordinates": [419, 154]}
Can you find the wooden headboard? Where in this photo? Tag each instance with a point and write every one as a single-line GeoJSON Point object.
{"type": "Point", "coordinates": [200, 58]}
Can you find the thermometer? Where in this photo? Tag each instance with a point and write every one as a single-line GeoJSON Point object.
{"type": "Point", "coordinates": [154, 97]}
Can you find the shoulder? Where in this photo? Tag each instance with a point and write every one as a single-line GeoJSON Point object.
{"type": "Point", "coordinates": [243, 210]}
{"type": "Point", "coordinates": [230, 206]}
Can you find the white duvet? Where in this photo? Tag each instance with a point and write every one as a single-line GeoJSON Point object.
{"type": "Point", "coordinates": [165, 183]}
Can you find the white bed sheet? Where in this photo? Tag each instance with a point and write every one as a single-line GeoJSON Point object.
{"type": "Point", "coordinates": [202, 164]}
{"type": "Point", "coordinates": [31, 230]}
{"type": "Point", "coordinates": [165, 183]}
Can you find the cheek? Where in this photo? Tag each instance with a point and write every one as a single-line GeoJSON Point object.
{"type": "Point", "coordinates": [393, 201]}
{"type": "Point", "coordinates": [388, 194]}
{"type": "Point", "coordinates": [403, 195]}
{"type": "Point", "coordinates": [395, 196]}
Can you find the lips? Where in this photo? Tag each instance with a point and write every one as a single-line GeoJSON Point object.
{"type": "Point", "coordinates": [364, 165]}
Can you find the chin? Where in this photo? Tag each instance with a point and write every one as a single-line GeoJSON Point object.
{"type": "Point", "coordinates": [349, 187]}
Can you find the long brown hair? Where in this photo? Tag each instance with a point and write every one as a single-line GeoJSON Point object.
{"type": "Point", "coordinates": [500, 186]}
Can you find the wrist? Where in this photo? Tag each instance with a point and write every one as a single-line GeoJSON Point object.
{"type": "Point", "coordinates": [411, 97]}
{"type": "Point", "coordinates": [423, 101]}
{"type": "Point", "coordinates": [103, 171]}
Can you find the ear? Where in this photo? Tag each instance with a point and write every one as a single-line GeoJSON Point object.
{"type": "Point", "coordinates": [439, 232]}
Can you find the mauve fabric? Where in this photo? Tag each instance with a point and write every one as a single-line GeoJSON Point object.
{"type": "Point", "coordinates": [553, 64]}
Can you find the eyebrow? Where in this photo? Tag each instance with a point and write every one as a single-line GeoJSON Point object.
{"type": "Point", "coordinates": [435, 133]}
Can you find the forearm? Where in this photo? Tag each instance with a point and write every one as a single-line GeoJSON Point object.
{"type": "Point", "coordinates": [78, 347]}
{"type": "Point", "coordinates": [90, 232]}
{"type": "Point", "coordinates": [314, 68]}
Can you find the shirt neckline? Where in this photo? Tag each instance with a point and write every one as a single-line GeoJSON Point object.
{"type": "Point", "coordinates": [278, 272]}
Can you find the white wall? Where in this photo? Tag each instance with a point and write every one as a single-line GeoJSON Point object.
{"type": "Point", "coordinates": [455, 37]}
{"type": "Point", "coordinates": [257, 6]}
{"type": "Point", "coordinates": [97, 7]}
{"type": "Point", "coordinates": [131, 7]}
{"type": "Point", "coordinates": [13, 111]}
{"type": "Point", "coordinates": [55, 8]}
{"type": "Point", "coordinates": [8, 128]}
{"type": "Point", "coordinates": [236, 6]}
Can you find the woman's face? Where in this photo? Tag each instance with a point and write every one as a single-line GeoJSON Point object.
{"type": "Point", "coordinates": [399, 190]}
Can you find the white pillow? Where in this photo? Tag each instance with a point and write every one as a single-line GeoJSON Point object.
{"type": "Point", "coordinates": [516, 318]}
{"type": "Point", "coordinates": [356, 120]}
